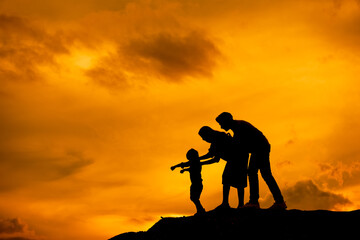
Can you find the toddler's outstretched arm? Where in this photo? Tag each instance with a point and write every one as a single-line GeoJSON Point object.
{"type": "Point", "coordinates": [184, 169]}
{"type": "Point", "coordinates": [182, 165]}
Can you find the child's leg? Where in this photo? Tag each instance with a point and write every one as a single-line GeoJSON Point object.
{"type": "Point", "coordinates": [195, 192]}
{"type": "Point", "coordinates": [241, 196]}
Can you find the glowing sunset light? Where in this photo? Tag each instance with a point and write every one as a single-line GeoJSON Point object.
{"type": "Point", "coordinates": [99, 98]}
{"type": "Point", "coordinates": [82, 60]}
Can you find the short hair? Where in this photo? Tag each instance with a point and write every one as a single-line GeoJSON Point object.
{"type": "Point", "coordinates": [224, 117]}
{"type": "Point", "coordinates": [192, 154]}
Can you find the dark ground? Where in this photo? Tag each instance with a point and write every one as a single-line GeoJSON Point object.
{"type": "Point", "coordinates": [255, 224]}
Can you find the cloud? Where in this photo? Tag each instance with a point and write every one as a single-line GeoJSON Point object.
{"type": "Point", "coordinates": [175, 57]}
{"type": "Point", "coordinates": [150, 41]}
{"type": "Point", "coordinates": [340, 167]}
{"type": "Point", "coordinates": [165, 56]}
{"type": "Point", "coordinates": [339, 175]}
{"type": "Point", "coordinates": [19, 169]}
{"type": "Point", "coordinates": [336, 22]}
{"type": "Point", "coordinates": [58, 11]}
{"type": "Point", "coordinates": [157, 45]}
{"type": "Point", "coordinates": [24, 46]}
{"type": "Point", "coordinates": [306, 195]}
{"type": "Point", "coordinates": [109, 73]}
{"type": "Point", "coordinates": [11, 226]}
{"type": "Point", "coordinates": [15, 229]}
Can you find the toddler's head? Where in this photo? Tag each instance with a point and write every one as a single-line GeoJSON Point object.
{"type": "Point", "coordinates": [192, 155]}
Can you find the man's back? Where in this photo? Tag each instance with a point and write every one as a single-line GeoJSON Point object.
{"type": "Point", "coordinates": [249, 137]}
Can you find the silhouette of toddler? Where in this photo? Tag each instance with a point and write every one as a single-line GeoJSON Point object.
{"type": "Point", "coordinates": [193, 166]}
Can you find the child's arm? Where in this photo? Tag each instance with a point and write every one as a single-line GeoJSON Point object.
{"type": "Point", "coordinates": [211, 161]}
{"type": "Point", "coordinates": [184, 169]}
{"type": "Point", "coordinates": [182, 165]}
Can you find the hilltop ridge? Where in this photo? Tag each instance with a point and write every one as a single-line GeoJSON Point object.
{"type": "Point", "coordinates": [254, 224]}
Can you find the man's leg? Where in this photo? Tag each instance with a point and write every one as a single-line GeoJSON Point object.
{"type": "Point", "coordinates": [253, 179]}
{"type": "Point", "coordinates": [253, 183]}
{"type": "Point", "coordinates": [266, 174]}
{"type": "Point", "coordinates": [199, 207]}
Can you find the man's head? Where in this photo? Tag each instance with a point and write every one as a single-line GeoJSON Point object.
{"type": "Point", "coordinates": [192, 155]}
{"type": "Point", "coordinates": [225, 120]}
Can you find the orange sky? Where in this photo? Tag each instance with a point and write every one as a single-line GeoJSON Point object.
{"type": "Point", "coordinates": [99, 98]}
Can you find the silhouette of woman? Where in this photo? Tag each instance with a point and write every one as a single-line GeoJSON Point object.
{"type": "Point", "coordinates": [234, 175]}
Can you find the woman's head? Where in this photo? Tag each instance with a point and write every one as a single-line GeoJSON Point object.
{"type": "Point", "coordinates": [207, 134]}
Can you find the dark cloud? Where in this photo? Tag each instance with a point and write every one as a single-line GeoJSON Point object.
{"type": "Point", "coordinates": [23, 46]}
{"type": "Point", "coordinates": [175, 57]}
{"type": "Point", "coordinates": [307, 196]}
{"type": "Point", "coordinates": [14, 229]}
{"type": "Point", "coordinates": [110, 74]}
{"type": "Point", "coordinates": [165, 56]}
{"type": "Point", "coordinates": [339, 175]}
{"type": "Point", "coordinates": [341, 165]}
{"type": "Point", "coordinates": [156, 52]}
{"type": "Point", "coordinates": [19, 169]}
{"type": "Point", "coordinates": [11, 226]}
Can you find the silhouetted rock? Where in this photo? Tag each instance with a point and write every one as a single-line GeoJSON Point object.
{"type": "Point", "coordinates": [254, 224]}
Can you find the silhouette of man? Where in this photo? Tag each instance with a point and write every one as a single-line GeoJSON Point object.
{"type": "Point", "coordinates": [253, 141]}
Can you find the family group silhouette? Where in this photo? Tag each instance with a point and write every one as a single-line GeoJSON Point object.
{"type": "Point", "coordinates": [246, 141]}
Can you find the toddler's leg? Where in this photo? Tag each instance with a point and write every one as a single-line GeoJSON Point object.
{"type": "Point", "coordinates": [195, 192]}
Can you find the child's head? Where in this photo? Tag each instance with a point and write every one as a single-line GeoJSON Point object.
{"type": "Point", "coordinates": [192, 155]}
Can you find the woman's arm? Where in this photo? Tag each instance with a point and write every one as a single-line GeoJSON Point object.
{"type": "Point", "coordinates": [206, 156]}
{"type": "Point", "coordinates": [211, 161]}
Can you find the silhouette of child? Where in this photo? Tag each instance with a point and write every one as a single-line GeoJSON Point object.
{"type": "Point", "coordinates": [193, 166]}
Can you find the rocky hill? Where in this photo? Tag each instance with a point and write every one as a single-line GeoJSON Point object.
{"type": "Point", "coordinates": [254, 224]}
